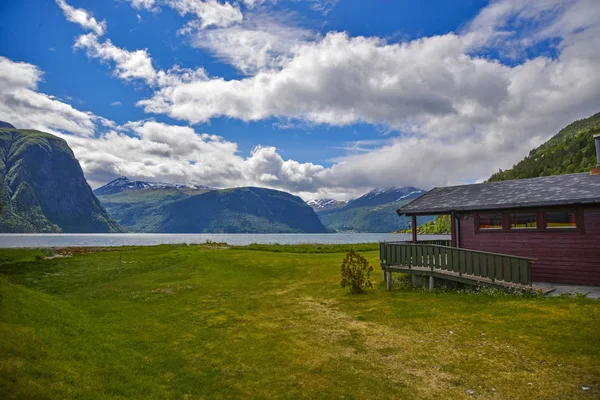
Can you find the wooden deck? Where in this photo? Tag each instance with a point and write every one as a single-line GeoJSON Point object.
{"type": "Point", "coordinates": [459, 265]}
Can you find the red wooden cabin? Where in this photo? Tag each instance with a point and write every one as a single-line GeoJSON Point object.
{"type": "Point", "coordinates": [554, 219]}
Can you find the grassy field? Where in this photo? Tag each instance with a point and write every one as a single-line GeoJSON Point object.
{"type": "Point", "coordinates": [207, 322]}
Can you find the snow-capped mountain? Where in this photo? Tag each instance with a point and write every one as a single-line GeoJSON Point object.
{"type": "Point", "coordinates": [386, 195]}
{"type": "Point", "coordinates": [326, 204]}
{"type": "Point", "coordinates": [123, 183]}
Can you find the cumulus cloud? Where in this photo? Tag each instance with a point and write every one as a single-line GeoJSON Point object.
{"type": "Point", "coordinates": [83, 18]}
{"type": "Point", "coordinates": [162, 152]}
{"type": "Point", "coordinates": [24, 107]}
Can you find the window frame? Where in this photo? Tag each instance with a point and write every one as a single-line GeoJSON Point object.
{"type": "Point", "coordinates": [524, 229]}
{"type": "Point", "coordinates": [540, 220]}
{"type": "Point", "coordinates": [578, 221]}
{"type": "Point", "coordinates": [502, 219]}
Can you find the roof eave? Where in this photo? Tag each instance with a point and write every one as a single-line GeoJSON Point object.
{"type": "Point", "coordinates": [440, 211]}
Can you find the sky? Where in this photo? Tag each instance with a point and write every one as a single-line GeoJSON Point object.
{"type": "Point", "coordinates": [320, 98]}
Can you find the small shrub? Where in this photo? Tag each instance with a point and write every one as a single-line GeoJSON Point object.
{"type": "Point", "coordinates": [356, 272]}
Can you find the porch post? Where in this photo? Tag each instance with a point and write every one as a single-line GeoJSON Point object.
{"type": "Point", "coordinates": [453, 229]}
{"type": "Point", "coordinates": [414, 229]}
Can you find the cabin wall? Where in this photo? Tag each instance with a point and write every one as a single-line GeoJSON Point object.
{"type": "Point", "coordinates": [563, 257]}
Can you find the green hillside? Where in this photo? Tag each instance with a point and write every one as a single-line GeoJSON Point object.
{"type": "Point", "coordinates": [42, 187]}
{"type": "Point", "coordinates": [438, 226]}
{"type": "Point", "coordinates": [571, 150]}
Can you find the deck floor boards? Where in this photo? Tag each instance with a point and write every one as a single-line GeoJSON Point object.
{"type": "Point", "coordinates": [464, 278]}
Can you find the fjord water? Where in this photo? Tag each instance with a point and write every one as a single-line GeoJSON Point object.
{"type": "Point", "coordinates": [12, 240]}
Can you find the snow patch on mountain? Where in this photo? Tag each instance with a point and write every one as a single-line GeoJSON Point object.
{"type": "Point", "coordinates": [123, 183]}
{"type": "Point", "coordinates": [319, 204]}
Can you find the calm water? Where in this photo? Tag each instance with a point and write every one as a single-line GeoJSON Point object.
{"type": "Point", "coordinates": [148, 239]}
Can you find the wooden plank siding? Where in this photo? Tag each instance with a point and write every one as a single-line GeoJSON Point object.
{"type": "Point", "coordinates": [562, 256]}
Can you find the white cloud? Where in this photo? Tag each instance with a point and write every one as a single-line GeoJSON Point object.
{"type": "Point", "coordinates": [136, 64]}
{"type": "Point", "coordinates": [341, 80]}
{"type": "Point", "coordinates": [82, 17]}
{"type": "Point", "coordinates": [115, 103]}
{"type": "Point", "coordinates": [128, 64]}
{"type": "Point", "coordinates": [156, 151]}
{"type": "Point", "coordinates": [209, 12]}
{"type": "Point", "coordinates": [253, 3]}
{"type": "Point", "coordinates": [259, 42]}
{"type": "Point", "coordinates": [24, 107]}
{"type": "Point", "coordinates": [143, 4]}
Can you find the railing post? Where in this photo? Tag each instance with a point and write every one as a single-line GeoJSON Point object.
{"type": "Point", "coordinates": [430, 254]}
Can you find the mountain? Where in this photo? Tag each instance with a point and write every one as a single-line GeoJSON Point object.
{"type": "Point", "coordinates": [571, 150]}
{"type": "Point", "coordinates": [129, 201]}
{"type": "Point", "coordinates": [123, 183]}
{"type": "Point", "coordinates": [372, 212]}
{"type": "Point", "coordinates": [42, 187]}
{"type": "Point", "coordinates": [325, 204]}
{"type": "Point", "coordinates": [186, 210]}
{"type": "Point", "coordinates": [388, 195]}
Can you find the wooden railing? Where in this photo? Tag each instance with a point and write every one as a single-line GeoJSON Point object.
{"type": "Point", "coordinates": [494, 266]}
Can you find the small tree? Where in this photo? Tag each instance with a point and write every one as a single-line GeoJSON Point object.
{"type": "Point", "coordinates": [356, 272]}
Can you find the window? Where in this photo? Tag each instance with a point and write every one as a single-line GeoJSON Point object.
{"type": "Point", "coordinates": [561, 219]}
{"type": "Point", "coordinates": [523, 221]}
{"type": "Point", "coordinates": [490, 221]}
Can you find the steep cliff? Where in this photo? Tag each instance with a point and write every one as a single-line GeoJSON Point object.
{"type": "Point", "coordinates": [42, 187]}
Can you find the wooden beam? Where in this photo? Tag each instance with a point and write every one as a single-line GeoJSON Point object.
{"type": "Point", "coordinates": [453, 229]}
{"type": "Point", "coordinates": [414, 229]}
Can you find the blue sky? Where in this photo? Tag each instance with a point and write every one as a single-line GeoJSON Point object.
{"type": "Point", "coordinates": [317, 97]}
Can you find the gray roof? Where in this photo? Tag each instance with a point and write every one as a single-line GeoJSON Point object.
{"type": "Point", "coordinates": [580, 188]}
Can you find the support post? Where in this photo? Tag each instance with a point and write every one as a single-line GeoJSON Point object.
{"type": "Point", "coordinates": [389, 281]}
{"type": "Point", "coordinates": [453, 229]}
{"type": "Point", "coordinates": [431, 283]}
{"type": "Point", "coordinates": [415, 280]}
{"type": "Point", "coordinates": [414, 229]}
{"type": "Point", "coordinates": [384, 275]}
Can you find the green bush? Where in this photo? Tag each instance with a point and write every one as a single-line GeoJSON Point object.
{"type": "Point", "coordinates": [356, 272]}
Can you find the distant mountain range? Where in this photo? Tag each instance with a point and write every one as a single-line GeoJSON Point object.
{"type": "Point", "coordinates": [373, 212]}
{"type": "Point", "coordinates": [142, 206]}
{"type": "Point", "coordinates": [175, 208]}
{"type": "Point", "coordinates": [42, 187]}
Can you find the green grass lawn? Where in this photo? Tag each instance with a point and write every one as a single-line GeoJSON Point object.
{"type": "Point", "coordinates": [206, 322]}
